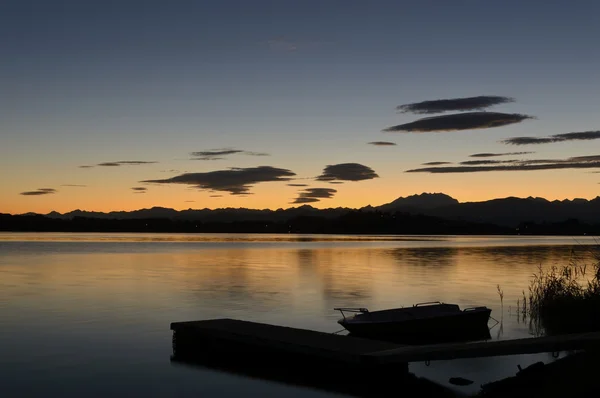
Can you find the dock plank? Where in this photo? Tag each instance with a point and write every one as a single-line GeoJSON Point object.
{"type": "Point", "coordinates": [531, 345]}
{"type": "Point", "coordinates": [282, 338]}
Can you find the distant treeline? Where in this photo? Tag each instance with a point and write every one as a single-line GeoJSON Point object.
{"type": "Point", "coordinates": [353, 222]}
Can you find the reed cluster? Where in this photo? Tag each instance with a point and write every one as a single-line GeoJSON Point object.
{"type": "Point", "coordinates": [565, 299]}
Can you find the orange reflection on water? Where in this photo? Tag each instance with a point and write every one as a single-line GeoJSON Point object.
{"type": "Point", "coordinates": [295, 283]}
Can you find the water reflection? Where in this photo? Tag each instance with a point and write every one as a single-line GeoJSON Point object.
{"type": "Point", "coordinates": [239, 280]}
{"type": "Point", "coordinates": [125, 294]}
{"type": "Point", "coordinates": [205, 237]}
{"type": "Point", "coordinates": [426, 257]}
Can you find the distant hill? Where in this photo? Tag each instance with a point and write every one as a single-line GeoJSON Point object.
{"type": "Point", "coordinates": [420, 202]}
{"type": "Point", "coordinates": [506, 212]}
{"type": "Point", "coordinates": [207, 215]}
{"type": "Point", "coordinates": [511, 211]}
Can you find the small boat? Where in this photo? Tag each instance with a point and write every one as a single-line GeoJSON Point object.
{"type": "Point", "coordinates": [428, 322]}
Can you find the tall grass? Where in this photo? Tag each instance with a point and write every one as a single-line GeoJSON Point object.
{"type": "Point", "coordinates": [565, 299]}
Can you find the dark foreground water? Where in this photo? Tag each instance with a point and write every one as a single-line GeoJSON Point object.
{"type": "Point", "coordinates": [89, 314]}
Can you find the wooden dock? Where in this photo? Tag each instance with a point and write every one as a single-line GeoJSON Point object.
{"type": "Point", "coordinates": [531, 345]}
{"type": "Point", "coordinates": [300, 357]}
{"type": "Point", "coordinates": [232, 337]}
{"type": "Point", "coordinates": [244, 340]}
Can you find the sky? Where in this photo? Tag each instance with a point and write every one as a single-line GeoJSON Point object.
{"type": "Point", "coordinates": [123, 105]}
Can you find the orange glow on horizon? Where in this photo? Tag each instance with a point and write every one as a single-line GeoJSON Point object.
{"type": "Point", "coordinates": [471, 187]}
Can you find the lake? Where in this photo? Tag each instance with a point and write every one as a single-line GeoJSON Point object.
{"type": "Point", "coordinates": [89, 314]}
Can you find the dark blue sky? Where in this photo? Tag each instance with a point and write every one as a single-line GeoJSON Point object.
{"type": "Point", "coordinates": [309, 82]}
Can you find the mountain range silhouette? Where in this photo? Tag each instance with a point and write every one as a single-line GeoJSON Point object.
{"type": "Point", "coordinates": [505, 212]}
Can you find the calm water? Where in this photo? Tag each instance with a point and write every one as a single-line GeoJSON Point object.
{"type": "Point", "coordinates": [89, 314]}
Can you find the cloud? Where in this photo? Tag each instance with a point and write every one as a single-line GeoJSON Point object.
{"type": "Point", "coordinates": [347, 172]}
{"type": "Point", "coordinates": [310, 195]}
{"type": "Point", "coordinates": [577, 162]}
{"type": "Point", "coordinates": [381, 143]}
{"type": "Point", "coordinates": [435, 163]}
{"type": "Point", "coordinates": [236, 181]}
{"type": "Point", "coordinates": [336, 182]}
{"type": "Point", "coordinates": [454, 104]}
{"type": "Point", "coordinates": [305, 200]}
{"type": "Point", "coordinates": [74, 185]}
{"type": "Point", "coordinates": [135, 162]}
{"type": "Point", "coordinates": [577, 136]}
{"type": "Point", "coordinates": [527, 140]}
{"type": "Point", "coordinates": [39, 191]}
{"type": "Point", "coordinates": [588, 158]}
{"type": "Point", "coordinates": [139, 189]}
{"type": "Point", "coordinates": [480, 162]}
{"type": "Point", "coordinates": [297, 185]}
{"type": "Point", "coordinates": [583, 135]}
{"type": "Point", "coordinates": [492, 155]}
{"type": "Point", "coordinates": [217, 154]}
{"type": "Point", "coordinates": [460, 121]}
{"type": "Point", "coordinates": [189, 201]}
{"type": "Point", "coordinates": [215, 196]}
{"type": "Point", "coordinates": [119, 163]}
{"type": "Point", "coordinates": [208, 158]}
{"type": "Point", "coordinates": [124, 163]}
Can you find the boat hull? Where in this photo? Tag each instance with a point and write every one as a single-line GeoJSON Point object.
{"type": "Point", "coordinates": [466, 325]}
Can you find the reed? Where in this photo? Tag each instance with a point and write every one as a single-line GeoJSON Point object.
{"type": "Point", "coordinates": [501, 294]}
{"type": "Point", "coordinates": [565, 299]}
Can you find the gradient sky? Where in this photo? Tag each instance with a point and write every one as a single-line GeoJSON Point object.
{"type": "Point", "coordinates": [308, 82]}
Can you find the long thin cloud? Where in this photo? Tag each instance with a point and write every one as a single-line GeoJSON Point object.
{"type": "Point", "coordinates": [586, 158]}
{"type": "Point", "coordinates": [487, 161]}
{"type": "Point", "coordinates": [382, 143]}
{"type": "Point", "coordinates": [576, 136]}
{"type": "Point", "coordinates": [217, 154]}
{"type": "Point", "coordinates": [459, 121]}
{"type": "Point", "coordinates": [435, 163]}
{"type": "Point", "coordinates": [236, 181]}
{"type": "Point", "coordinates": [311, 195]}
{"type": "Point", "coordinates": [492, 155]}
{"type": "Point", "coordinates": [454, 104]}
{"type": "Point", "coordinates": [119, 163]}
{"type": "Point", "coordinates": [39, 191]}
{"type": "Point", "coordinates": [577, 162]}
{"type": "Point", "coordinates": [347, 172]}
{"type": "Point", "coordinates": [208, 158]}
